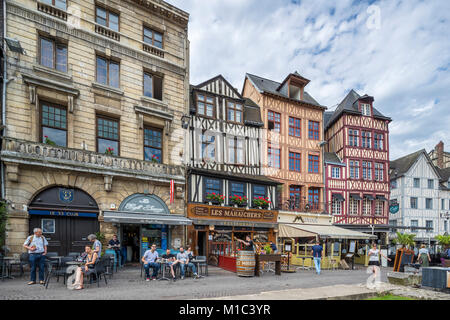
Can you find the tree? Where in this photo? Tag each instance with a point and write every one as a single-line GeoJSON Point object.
{"type": "Point", "coordinates": [405, 239]}
{"type": "Point", "coordinates": [444, 240]}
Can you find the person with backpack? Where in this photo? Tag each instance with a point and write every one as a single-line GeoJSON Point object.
{"type": "Point", "coordinates": [36, 245]}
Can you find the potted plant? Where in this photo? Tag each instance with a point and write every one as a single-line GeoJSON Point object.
{"type": "Point", "coordinates": [268, 249]}
{"type": "Point", "coordinates": [154, 159]}
{"type": "Point", "coordinates": [261, 202]}
{"type": "Point", "coordinates": [238, 201]}
{"type": "Point", "coordinates": [444, 242]}
{"type": "Point", "coordinates": [406, 240]}
{"type": "Point", "coordinates": [48, 141]}
{"type": "Point", "coordinates": [215, 198]}
{"type": "Point", "coordinates": [109, 151]}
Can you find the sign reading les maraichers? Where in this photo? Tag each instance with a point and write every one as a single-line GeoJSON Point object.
{"type": "Point", "coordinates": [231, 212]}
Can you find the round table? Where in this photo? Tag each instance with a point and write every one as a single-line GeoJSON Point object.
{"type": "Point", "coordinates": [197, 262]}
{"type": "Point", "coordinates": [6, 266]}
{"type": "Point", "coordinates": [163, 263]}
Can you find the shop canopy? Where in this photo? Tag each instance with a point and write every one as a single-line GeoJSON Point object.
{"type": "Point", "coordinates": [323, 231]}
{"type": "Point", "coordinates": [127, 217]}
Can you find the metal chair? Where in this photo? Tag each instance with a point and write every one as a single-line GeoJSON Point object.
{"type": "Point", "coordinates": [58, 271]}
{"type": "Point", "coordinates": [73, 254]}
{"type": "Point", "coordinates": [109, 264]}
{"type": "Point", "coordinates": [99, 270]}
{"type": "Point", "coordinates": [52, 254]}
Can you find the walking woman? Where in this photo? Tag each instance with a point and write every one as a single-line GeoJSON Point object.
{"type": "Point", "coordinates": [374, 266]}
{"type": "Point", "coordinates": [423, 257]}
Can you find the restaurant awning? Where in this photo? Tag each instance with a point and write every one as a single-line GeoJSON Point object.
{"type": "Point", "coordinates": [323, 231]}
{"type": "Point", "coordinates": [382, 198]}
{"type": "Point", "coordinates": [338, 197]}
{"type": "Point", "coordinates": [368, 196]}
{"type": "Point", "coordinates": [139, 218]}
{"type": "Point", "coordinates": [355, 196]}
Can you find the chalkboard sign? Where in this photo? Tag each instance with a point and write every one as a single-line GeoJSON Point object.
{"type": "Point", "coordinates": [402, 258]}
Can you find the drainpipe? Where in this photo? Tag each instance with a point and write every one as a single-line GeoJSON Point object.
{"type": "Point", "coordinates": [2, 169]}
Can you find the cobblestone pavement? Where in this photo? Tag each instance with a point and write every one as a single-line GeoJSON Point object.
{"type": "Point", "coordinates": [127, 284]}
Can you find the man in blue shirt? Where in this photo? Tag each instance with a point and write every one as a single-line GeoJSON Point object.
{"type": "Point", "coordinates": [37, 249]}
{"type": "Point", "coordinates": [317, 255]}
{"type": "Point", "coordinates": [149, 260]}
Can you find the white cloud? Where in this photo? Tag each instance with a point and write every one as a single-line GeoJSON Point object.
{"type": "Point", "coordinates": [403, 64]}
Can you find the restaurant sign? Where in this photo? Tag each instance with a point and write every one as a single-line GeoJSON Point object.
{"type": "Point", "coordinates": [143, 203]}
{"type": "Point", "coordinates": [219, 212]}
{"type": "Point", "coordinates": [58, 213]}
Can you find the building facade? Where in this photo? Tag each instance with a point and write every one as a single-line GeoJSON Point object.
{"type": "Point", "coordinates": [93, 133]}
{"type": "Point", "coordinates": [357, 181]}
{"type": "Point", "coordinates": [439, 156]}
{"type": "Point", "coordinates": [291, 146]}
{"type": "Point", "coordinates": [225, 136]}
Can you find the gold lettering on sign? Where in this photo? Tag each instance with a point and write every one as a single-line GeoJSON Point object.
{"type": "Point", "coordinates": [225, 212]}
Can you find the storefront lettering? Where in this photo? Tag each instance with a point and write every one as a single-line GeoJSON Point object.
{"type": "Point", "coordinates": [64, 214]}
{"type": "Point", "coordinates": [143, 208]}
{"type": "Point", "coordinates": [232, 213]}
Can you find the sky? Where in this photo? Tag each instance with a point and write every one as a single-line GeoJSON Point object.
{"type": "Point", "coordinates": [396, 51]}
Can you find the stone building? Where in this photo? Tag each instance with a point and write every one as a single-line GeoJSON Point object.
{"type": "Point", "coordinates": [94, 133]}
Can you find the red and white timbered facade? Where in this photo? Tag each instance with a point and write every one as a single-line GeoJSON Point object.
{"type": "Point", "coordinates": [357, 187]}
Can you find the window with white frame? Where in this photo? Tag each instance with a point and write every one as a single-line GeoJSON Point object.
{"type": "Point", "coordinates": [353, 137]}
{"type": "Point", "coordinates": [365, 109]}
{"type": "Point", "coordinates": [379, 172]}
{"type": "Point", "coordinates": [367, 207]}
{"type": "Point", "coordinates": [353, 206]}
{"type": "Point", "coordinates": [414, 223]}
{"type": "Point", "coordinates": [208, 143]}
{"type": "Point", "coordinates": [367, 170]}
{"type": "Point", "coordinates": [335, 172]}
{"type": "Point", "coordinates": [379, 207]}
{"type": "Point", "coordinates": [336, 207]}
{"type": "Point", "coordinates": [429, 224]}
{"type": "Point", "coordinates": [354, 169]}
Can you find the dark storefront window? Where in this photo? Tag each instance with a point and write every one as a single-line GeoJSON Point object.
{"type": "Point", "coordinates": [212, 186]}
{"type": "Point", "coordinates": [237, 188]}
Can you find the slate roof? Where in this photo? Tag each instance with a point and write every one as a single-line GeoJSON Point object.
{"type": "Point", "coordinates": [270, 86]}
{"type": "Point", "coordinates": [331, 157]}
{"type": "Point", "coordinates": [400, 166]}
{"type": "Point", "coordinates": [445, 177]}
{"type": "Point", "coordinates": [349, 105]}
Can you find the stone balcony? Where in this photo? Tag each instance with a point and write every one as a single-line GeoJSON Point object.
{"type": "Point", "coordinates": [20, 152]}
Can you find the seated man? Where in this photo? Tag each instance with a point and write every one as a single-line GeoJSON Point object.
{"type": "Point", "coordinates": [171, 261]}
{"type": "Point", "coordinates": [149, 260]}
{"type": "Point", "coordinates": [183, 261]}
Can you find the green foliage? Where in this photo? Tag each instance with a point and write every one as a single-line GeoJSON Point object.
{"type": "Point", "coordinates": [404, 239]}
{"type": "Point", "coordinates": [444, 240]}
{"type": "Point", "coordinates": [3, 218]}
{"type": "Point", "coordinates": [100, 236]}
{"type": "Point", "coordinates": [389, 297]}
{"type": "Point", "coordinates": [268, 249]}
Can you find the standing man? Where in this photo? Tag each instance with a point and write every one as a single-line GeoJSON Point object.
{"type": "Point", "coordinates": [317, 255]}
{"type": "Point", "coordinates": [97, 246]}
{"type": "Point", "coordinates": [36, 245]}
{"type": "Point", "coordinates": [149, 260]}
{"type": "Point", "coordinates": [114, 244]}
{"type": "Point", "coordinates": [248, 243]}
{"type": "Point", "coordinates": [273, 246]}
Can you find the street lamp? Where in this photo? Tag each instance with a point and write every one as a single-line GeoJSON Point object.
{"type": "Point", "coordinates": [185, 121]}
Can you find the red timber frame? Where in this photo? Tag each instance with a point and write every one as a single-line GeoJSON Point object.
{"type": "Point", "coordinates": [346, 186]}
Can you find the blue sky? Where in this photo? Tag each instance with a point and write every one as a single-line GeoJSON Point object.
{"type": "Point", "coordinates": [397, 51]}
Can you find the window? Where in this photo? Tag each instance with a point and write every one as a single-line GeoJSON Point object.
{"type": "Point", "coordinates": [354, 169]}
{"type": "Point", "coordinates": [259, 191]}
{"type": "Point", "coordinates": [365, 139]}
{"type": "Point", "coordinates": [234, 112]}
{"type": "Point", "coordinates": [367, 170]}
{"type": "Point", "coordinates": [378, 141]}
{"type": "Point", "coordinates": [430, 184]}
{"type": "Point", "coordinates": [428, 203]}
{"type": "Point", "coordinates": [107, 72]}
{"type": "Point", "coordinates": [445, 226]}
{"type": "Point", "coordinates": [153, 38]}
{"type": "Point", "coordinates": [335, 172]}
{"type": "Point", "coordinates": [208, 146]}
{"type": "Point", "coordinates": [53, 124]}
{"type": "Point", "coordinates": [353, 137]}
{"type": "Point", "coordinates": [53, 54]}
{"type": "Point", "coordinates": [367, 206]}
{"type": "Point", "coordinates": [274, 157]}
{"type": "Point", "coordinates": [274, 120]}
{"type": "Point", "coordinates": [205, 105]}
{"type": "Point", "coordinates": [107, 18]}
{"type": "Point", "coordinates": [394, 184]}
{"type": "Point", "coordinates": [313, 198]}
{"type": "Point", "coordinates": [212, 186]}
{"type": "Point", "coordinates": [379, 207]}
{"type": "Point", "coordinates": [442, 204]}
{"type": "Point", "coordinates": [294, 161]}
{"type": "Point", "coordinates": [429, 224]}
{"type": "Point", "coordinates": [294, 127]}
{"type": "Point", "coordinates": [379, 172]}
{"type": "Point", "coordinates": [313, 130]}
{"type": "Point", "coordinates": [353, 206]}
{"type": "Point", "coordinates": [107, 135]}
{"type": "Point", "coordinates": [153, 145]}
{"type": "Point", "coordinates": [237, 188]}
{"type": "Point", "coordinates": [416, 182]}
{"type": "Point", "coordinates": [153, 86]}
{"type": "Point", "coordinates": [336, 207]}
{"type": "Point", "coordinates": [414, 223]}
{"type": "Point", "coordinates": [60, 4]}
{"type": "Point", "coordinates": [295, 195]}
{"type": "Point", "coordinates": [365, 109]}
{"type": "Point", "coordinates": [413, 202]}
{"type": "Point", "coordinates": [313, 163]}
{"type": "Point", "coordinates": [236, 150]}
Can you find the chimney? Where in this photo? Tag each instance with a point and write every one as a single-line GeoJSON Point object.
{"type": "Point", "coordinates": [440, 154]}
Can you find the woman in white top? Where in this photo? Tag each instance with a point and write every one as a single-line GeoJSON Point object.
{"type": "Point", "coordinates": [374, 264]}
{"type": "Point", "coordinates": [424, 256]}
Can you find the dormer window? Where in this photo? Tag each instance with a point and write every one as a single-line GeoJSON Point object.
{"type": "Point", "coordinates": [365, 109]}
{"type": "Point", "coordinates": [294, 92]}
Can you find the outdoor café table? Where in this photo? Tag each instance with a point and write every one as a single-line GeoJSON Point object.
{"type": "Point", "coordinates": [197, 263]}
{"type": "Point", "coordinates": [6, 267]}
{"type": "Point", "coordinates": [268, 257]}
{"type": "Point", "coordinates": [162, 263]}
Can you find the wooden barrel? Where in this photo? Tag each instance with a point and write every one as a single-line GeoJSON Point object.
{"type": "Point", "coordinates": [245, 263]}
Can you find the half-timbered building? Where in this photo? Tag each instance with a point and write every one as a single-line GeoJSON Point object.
{"type": "Point", "coordinates": [359, 136]}
{"type": "Point", "coordinates": [224, 174]}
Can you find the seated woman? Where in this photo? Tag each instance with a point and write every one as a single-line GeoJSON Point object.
{"type": "Point", "coordinates": [88, 268]}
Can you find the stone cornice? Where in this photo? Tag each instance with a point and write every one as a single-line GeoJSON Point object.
{"type": "Point", "coordinates": [153, 112]}
{"type": "Point", "coordinates": [165, 10]}
{"type": "Point", "coordinates": [47, 83]}
{"type": "Point", "coordinates": [100, 42]}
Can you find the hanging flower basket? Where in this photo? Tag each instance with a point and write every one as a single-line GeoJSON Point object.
{"type": "Point", "coordinates": [215, 198]}
{"type": "Point", "coordinates": [109, 151]}
{"type": "Point", "coordinates": [261, 202]}
{"type": "Point", "coordinates": [238, 200]}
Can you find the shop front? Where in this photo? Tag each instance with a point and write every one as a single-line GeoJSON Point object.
{"type": "Point", "coordinates": [143, 220]}
{"type": "Point", "coordinates": [301, 230]}
{"type": "Point", "coordinates": [215, 231]}
{"type": "Point", "coordinates": [66, 216]}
